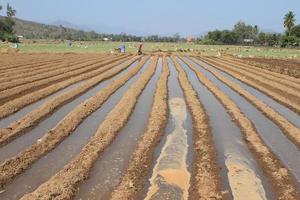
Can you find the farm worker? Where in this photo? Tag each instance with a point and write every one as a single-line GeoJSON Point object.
{"type": "Point", "coordinates": [122, 48]}
{"type": "Point", "coordinates": [140, 49]}
{"type": "Point", "coordinates": [69, 43]}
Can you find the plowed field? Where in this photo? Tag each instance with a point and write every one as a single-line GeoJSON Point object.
{"type": "Point", "coordinates": [157, 126]}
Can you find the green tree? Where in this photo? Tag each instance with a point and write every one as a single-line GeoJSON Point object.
{"type": "Point", "coordinates": [176, 37]}
{"type": "Point", "coordinates": [289, 21]}
{"type": "Point", "coordinates": [295, 31]}
{"type": "Point", "coordinates": [243, 31]}
{"type": "Point", "coordinates": [6, 25]}
{"type": "Point", "coordinates": [228, 37]}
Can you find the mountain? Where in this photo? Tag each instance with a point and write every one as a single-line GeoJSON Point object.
{"type": "Point", "coordinates": [34, 30]}
{"type": "Point", "coordinates": [70, 25]}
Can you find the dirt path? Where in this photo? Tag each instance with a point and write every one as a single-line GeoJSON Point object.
{"type": "Point", "coordinates": [205, 182]}
{"type": "Point", "coordinates": [287, 127]}
{"type": "Point", "coordinates": [64, 183]}
{"type": "Point", "coordinates": [16, 104]}
{"type": "Point", "coordinates": [132, 181]}
{"type": "Point", "coordinates": [273, 94]}
{"type": "Point", "coordinates": [279, 177]}
{"type": "Point", "coordinates": [32, 118]}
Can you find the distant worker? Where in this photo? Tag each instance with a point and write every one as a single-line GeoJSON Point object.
{"type": "Point", "coordinates": [140, 49]}
{"type": "Point", "coordinates": [70, 43]}
{"type": "Point", "coordinates": [122, 48]}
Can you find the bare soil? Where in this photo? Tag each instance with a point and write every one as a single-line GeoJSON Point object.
{"type": "Point", "coordinates": [63, 184]}
{"type": "Point", "coordinates": [33, 79]}
{"type": "Point", "coordinates": [289, 67]}
{"type": "Point", "coordinates": [134, 177]}
{"type": "Point", "coordinates": [291, 130]}
{"type": "Point", "coordinates": [281, 180]}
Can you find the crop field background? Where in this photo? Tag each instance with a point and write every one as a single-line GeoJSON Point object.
{"type": "Point", "coordinates": [170, 125]}
{"type": "Point", "coordinates": [29, 46]}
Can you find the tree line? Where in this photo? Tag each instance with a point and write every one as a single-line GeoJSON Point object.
{"type": "Point", "coordinates": [247, 34]}
{"type": "Point", "coordinates": [240, 34]}
{"type": "Point", "coordinates": [10, 27]}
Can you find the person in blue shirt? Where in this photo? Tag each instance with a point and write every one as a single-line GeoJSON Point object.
{"type": "Point", "coordinates": [122, 48]}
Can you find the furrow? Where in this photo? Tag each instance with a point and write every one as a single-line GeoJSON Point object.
{"type": "Point", "coordinates": [287, 127]}
{"type": "Point", "coordinates": [271, 85]}
{"type": "Point", "coordinates": [16, 104]}
{"type": "Point", "coordinates": [20, 90]}
{"type": "Point", "coordinates": [18, 77]}
{"type": "Point", "coordinates": [19, 163]}
{"type": "Point", "coordinates": [27, 67]}
{"type": "Point", "coordinates": [205, 182]}
{"type": "Point", "coordinates": [64, 183]}
{"type": "Point", "coordinates": [133, 178]}
{"type": "Point", "coordinates": [261, 73]}
{"type": "Point", "coordinates": [33, 66]}
{"type": "Point", "coordinates": [279, 97]}
{"type": "Point", "coordinates": [279, 177]}
{"type": "Point", "coordinates": [32, 118]}
{"type": "Point", "coordinates": [275, 74]}
{"type": "Point", "coordinates": [26, 64]}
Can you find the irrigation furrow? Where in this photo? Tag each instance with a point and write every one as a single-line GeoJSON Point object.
{"type": "Point", "coordinates": [271, 134]}
{"type": "Point", "coordinates": [63, 184]}
{"type": "Point", "coordinates": [205, 182]}
{"type": "Point", "coordinates": [32, 118]}
{"type": "Point", "coordinates": [115, 157]}
{"type": "Point", "coordinates": [16, 104]}
{"type": "Point", "coordinates": [279, 97]}
{"type": "Point", "coordinates": [279, 177]}
{"type": "Point", "coordinates": [20, 79]}
{"type": "Point", "coordinates": [23, 142]}
{"type": "Point", "coordinates": [5, 122]}
{"type": "Point", "coordinates": [293, 94]}
{"type": "Point", "coordinates": [54, 161]}
{"type": "Point", "coordinates": [170, 173]}
{"type": "Point", "coordinates": [19, 163]}
{"type": "Point", "coordinates": [287, 127]}
{"type": "Point", "coordinates": [21, 90]}
{"type": "Point", "coordinates": [265, 71]}
{"type": "Point", "coordinates": [283, 110]}
{"type": "Point", "coordinates": [262, 74]}
{"type": "Point", "coordinates": [132, 180]}
{"type": "Point", "coordinates": [16, 77]}
{"type": "Point", "coordinates": [25, 68]}
{"type": "Point", "coordinates": [236, 162]}
{"type": "Point", "coordinates": [26, 62]}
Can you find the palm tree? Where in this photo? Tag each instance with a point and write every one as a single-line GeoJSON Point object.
{"type": "Point", "coordinates": [289, 21]}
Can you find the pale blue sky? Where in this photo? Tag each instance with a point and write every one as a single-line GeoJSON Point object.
{"type": "Point", "coordinates": [189, 17]}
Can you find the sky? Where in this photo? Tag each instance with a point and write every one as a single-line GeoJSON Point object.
{"type": "Point", "coordinates": [163, 17]}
